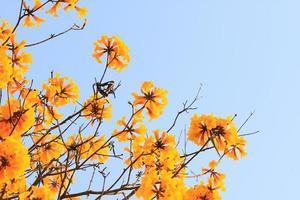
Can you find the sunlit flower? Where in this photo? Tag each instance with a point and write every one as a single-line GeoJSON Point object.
{"type": "Point", "coordinates": [95, 149]}
{"type": "Point", "coordinates": [116, 50]}
{"type": "Point", "coordinates": [49, 148]}
{"type": "Point", "coordinates": [97, 108]}
{"type": "Point", "coordinates": [14, 159]}
{"type": "Point", "coordinates": [237, 149]}
{"type": "Point", "coordinates": [15, 119]}
{"type": "Point", "coordinates": [219, 132]}
{"type": "Point", "coordinates": [31, 18]}
{"type": "Point", "coordinates": [153, 99]}
{"type": "Point", "coordinates": [61, 90]}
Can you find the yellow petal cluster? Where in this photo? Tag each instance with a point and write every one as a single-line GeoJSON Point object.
{"type": "Point", "coordinates": [14, 160]}
{"type": "Point", "coordinates": [97, 108]}
{"type": "Point", "coordinates": [153, 99]}
{"type": "Point", "coordinates": [220, 132]}
{"type": "Point", "coordinates": [115, 49]}
{"type": "Point", "coordinates": [61, 90]}
{"type": "Point", "coordinates": [15, 119]}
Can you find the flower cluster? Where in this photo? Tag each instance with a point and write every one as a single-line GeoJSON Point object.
{"type": "Point", "coordinates": [115, 49]}
{"type": "Point", "coordinates": [31, 18]}
{"type": "Point", "coordinates": [61, 90]}
{"type": "Point", "coordinates": [43, 149]}
{"type": "Point", "coordinates": [153, 99]}
{"type": "Point", "coordinates": [220, 132]}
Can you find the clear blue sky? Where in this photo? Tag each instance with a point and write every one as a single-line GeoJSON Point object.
{"type": "Point", "coordinates": [245, 53]}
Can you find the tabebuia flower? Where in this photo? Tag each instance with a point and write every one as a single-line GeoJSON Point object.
{"type": "Point", "coordinates": [221, 133]}
{"type": "Point", "coordinates": [68, 5]}
{"type": "Point", "coordinates": [30, 17]}
{"type": "Point", "coordinates": [97, 108]}
{"type": "Point", "coordinates": [61, 90]}
{"type": "Point", "coordinates": [153, 99]}
{"type": "Point", "coordinates": [115, 49]}
{"type": "Point", "coordinates": [15, 119]}
{"type": "Point", "coordinates": [14, 160]}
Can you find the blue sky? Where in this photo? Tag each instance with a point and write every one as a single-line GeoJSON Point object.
{"type": "Point", "coordinates": [245, 53]}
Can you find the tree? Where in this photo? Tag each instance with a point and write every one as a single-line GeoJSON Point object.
{"type": "Point", "coordinates": [42, 151]}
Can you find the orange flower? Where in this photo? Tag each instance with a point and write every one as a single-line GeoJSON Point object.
{"type": "Point", "coordinates": [69, 5]}
{"type": "Point", "coordinates": [45, 115]}
{"type": "Point", "coordinates": [95, 149]}
{"type": "Point", "coordinates": [98, 108]}
{"type": "Point", "coordinates": [200, 192]}
{"type": "Point", "coordinates": [60, 93]}
{"type": "Point", "coordinates": [35, 192]}
{"type": "Point", "coordinates": [14, 159]}
{"type": "Point", "coordinates": [15, 119]}
{"type": "Point", "coordinates": [220, 132]}
{"type": "Point", "coordinates": [237, 149]}
{"type": "Point", "coordinates": [154, 99]}
{"type": "Point", "coordinates": [216, 179]}
{"type": "Point", "coordinates": [30, 17]}
{"type": "Point", "coordinates": [20, 60]}
{"type": "Point", "coordinates": [50, 147]}
{"type": "Point", "coordinates": [14, 186]}
{"type": "Point", "coordinates": [5, 31]}
{"type": "Point", "coordinates": [117, 52]}
{"type": "Point", "coordinates": [5, 68]}
{"type": "Point", "coordinates": [135, 130]}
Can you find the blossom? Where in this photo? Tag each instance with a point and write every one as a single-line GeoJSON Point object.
{"type": "Point", "coordinates": [5, 69]}
{"type": "Point", "coordinates": [15, 119]}
{"type": "Point", "coordinates": [95, 149]}
{"type": "Point", "coordinates": [135, 130]}
{"type": "Point", "coordinates": [97, 107]}
{"type": "Point", "coordinates": [31, 18]}
{"type": "Point", "coordinates": [159, 184]}
{"type": "Point", "coordinates": [5, 31]}
{"type": "Point", "coordinates": [35, 192]}
{"type": "Point", "coordinates": [216, 179]}
{"type": "Point", "coordinates": [14, 159]}
{"type": "Point", "coordinates": [237, 149]}
{"type": "Point", "coordinates": [153, 99]}
{"type": "Point", "coordinates": [49, 148]}
{"type": "Point", "coordinates": [201, 192]}
{"type": "Point", "coordinates": [20, 60]}
{"type": "Point", "coordinates": [117, 52]}
{"type": "Point", "coordinates": [61, 90]}
{"type": "Point", "coordinates": [219, 131]}
{"type": "Point", "coordinates": [68, 5]}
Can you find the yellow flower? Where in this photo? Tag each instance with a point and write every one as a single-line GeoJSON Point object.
{"type": "Point", "coordinates": [153, 99]}
{"type": "Point", "coordinates": [218, 131]}
{"type": "Point", "coordinates": [97, 108]}
{"type": "Point", "coordinates": [15, 119]}
{"type": "Point", "coordinates": [42, 193]}
{"type": "Point", "coordinates": [82, 12]}
{"type": "Point", "coordinates": [135, 130]}
{"type": "Point", "coordinates": [68, 5]}
{"type": "Point", "coordinates": [14, 159]}
{"type": "Point", "coordinates": [237, 149]}
{"type": "Point", "coordinates": [50, 147]}
{"type": "Point", "coordinates": [60, 93]}
{"type": "Point", "coordinates": [14, 186]}
{"type": "Point", "coordinates": [5, 31]}
{"type": "Point", "coordinates": [31, 18]}
{"type": "Point", "coordinates": [20, 59]}
{"type": "Point", "coordinates": [200, 192]}
{"type": "Point", "coordinates": [5, 70]}
{"type": "Point", "coordinates": [94, 149]}
{"type": "Point", "coordinates": [117, 52]}
{"type": "Point", "coordinates": [216, 179]}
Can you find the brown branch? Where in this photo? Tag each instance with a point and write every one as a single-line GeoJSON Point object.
{"type": "Point", "coordinates": [185, 108]}
{"type": "Point", "coordinates": [74, 27]}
